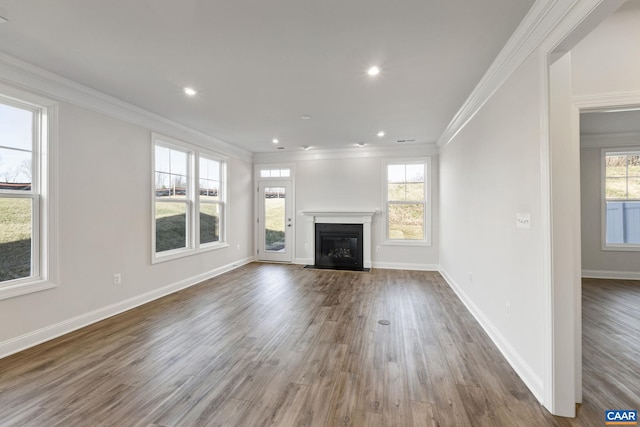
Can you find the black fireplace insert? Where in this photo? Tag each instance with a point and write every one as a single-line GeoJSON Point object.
{"type": "Point", "coordinates": [339, 246]}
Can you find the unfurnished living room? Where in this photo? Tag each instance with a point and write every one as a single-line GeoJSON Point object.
{"type": "Point", "coordinates": [296, 213]}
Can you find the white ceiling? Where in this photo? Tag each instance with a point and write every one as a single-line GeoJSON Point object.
{"type": "Point", "coordinates": [260, 65]}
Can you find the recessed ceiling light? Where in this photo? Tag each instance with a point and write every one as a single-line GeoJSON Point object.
{"type": "Point", "coordinates": [373, 71]}
{"type": "Point", "coordinates": [305, 117]}
{"type": "Point", "coordinates": [361, 144]}
{"type": "Point", "coordinates": [190, 91]}
{"type": "Point", "coordinates": [305, 147]}
{"type": "Point", "coordinates": [381, 134]}
{"type": "Point", "coordinates": [275, 140]}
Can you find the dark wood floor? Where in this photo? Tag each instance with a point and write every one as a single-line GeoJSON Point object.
{"type": "Point", "coordinates": [611, 346]}
{"type": "Point", "coordinates": [281, 345]}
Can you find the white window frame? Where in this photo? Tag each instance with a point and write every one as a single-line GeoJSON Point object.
{"type": "Point", "coordinates": [192, 199]}
{"type": "Point", "coordinates": [620, 247]}
{"type": "Point", "coordinates": [44, 244]}
{"type": "Point", "coordinates": [426, 161]}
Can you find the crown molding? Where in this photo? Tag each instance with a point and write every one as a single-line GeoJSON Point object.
{"type": "Point", "coordinates": [411, 150]}
{"type": "Point", "coordinates": [39, 81]}
{"type": "Point", "coordinates": [608, 102]}
{"type": "Point", "coordinates": [551, 25]}
{"type": "Point", "coordinates": [534, 27]}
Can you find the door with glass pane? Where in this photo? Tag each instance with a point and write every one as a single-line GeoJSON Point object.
{"type": "Point", "coordinates": [275, 222]}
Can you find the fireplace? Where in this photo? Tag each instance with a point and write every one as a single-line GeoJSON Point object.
{"type": "Point", "coordinates": [339, 246]}
{"type": "Point", "coordinates": [342, 256]}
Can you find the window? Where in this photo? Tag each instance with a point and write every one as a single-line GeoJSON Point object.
{"type": "Point", "coordinates": [210, 200]}
{"type": "Point", "coordinates": [406, 202]}
{"type": "Point", "coordinates": [172, 207]}
{"type": "Point", "coordinates": [275, 173]}
{"type": "Point", "coordinates": [622, 198]}
{"type": "Point", "coordinates": [188, 213]}
{"type": "Point", "coordinates": [26, 264]}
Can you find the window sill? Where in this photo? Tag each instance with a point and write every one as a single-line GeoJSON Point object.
{"type": "Point", "coordinates": [24, 287]}
{"type": "Point", "coordinates": [177, 254]}
{"type": "Point", "coordinates": [621, 248]}
{"type": "Point", "coordinates": [406, 243]}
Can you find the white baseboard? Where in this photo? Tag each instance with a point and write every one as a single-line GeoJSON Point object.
{"type": "Point", "coordinates": [387, 265]}
{"type": "Point", "coordinates": [406, 266]}
{"type": "Point", "coordinates": [31, 339]}
{"type": "Point", "coordinates": [604, 274]}
{"type": "Point", "coordinates": [522, 368]}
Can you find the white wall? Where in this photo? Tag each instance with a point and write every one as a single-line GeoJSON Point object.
{"type": "Point", "coordinates": [605, 63]}
{"type": "Point", "coordinates": [353, 180]}
{"type": "Point", "coordinates": [104, 200]}
{"type": "Point", "coordinates": [488, 173]}
{"type": "Point", "coordinates": [608, 59]}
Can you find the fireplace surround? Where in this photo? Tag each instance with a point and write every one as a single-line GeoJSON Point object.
{"type": "Point", "coordinates": [343, 247]}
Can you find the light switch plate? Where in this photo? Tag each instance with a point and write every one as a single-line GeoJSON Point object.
{"type": "Point", "coordinates": [523, 220]}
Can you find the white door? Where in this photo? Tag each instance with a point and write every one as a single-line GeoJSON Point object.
{"type": "Point", "coordinates": [275, 222]}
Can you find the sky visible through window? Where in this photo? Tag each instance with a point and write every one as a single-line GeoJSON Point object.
{"type": "Point", "coordinates": [17, 212]}
{"type": "Point", "coordinates": [406, 173]}
{"type": "Point", "coordinates": [16, 137]}
{"type": "Point", "coordinates": [171, 169]}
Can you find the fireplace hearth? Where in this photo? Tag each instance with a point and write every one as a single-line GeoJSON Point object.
{"type": "Point", "coordinates": [339, 246]}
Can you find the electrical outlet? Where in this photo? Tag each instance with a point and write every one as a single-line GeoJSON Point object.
{"type": "Point", "coordinates": [238, 246]}
{"type": "Point", "coordinates": [117, 279]}
{"type": "Point", "coordinates": [507, 309]}
{"type": "Point", "coordinates": [470, 277]}
{"type": "Point", "coordinates": [378, 248]}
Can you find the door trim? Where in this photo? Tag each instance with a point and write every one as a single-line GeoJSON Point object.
{"type": "Point", "coordinates": [256, 214]}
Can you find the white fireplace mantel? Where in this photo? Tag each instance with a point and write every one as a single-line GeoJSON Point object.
{"type": "Point", "coordinates": [339, 217]}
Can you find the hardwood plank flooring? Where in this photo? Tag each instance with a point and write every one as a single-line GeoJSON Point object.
{"type": "Point", "coordinates": [611, 346]}
{"type": "Point", "coordinates": [280, 345]}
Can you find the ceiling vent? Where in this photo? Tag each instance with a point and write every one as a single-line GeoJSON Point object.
{"type": "Point", "coordinates": [400, 141]}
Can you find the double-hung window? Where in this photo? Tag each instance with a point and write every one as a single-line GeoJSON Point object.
{"type": "Point", "coordinates": [26, 263]}
{"type": "Point", "coordinates": [406, 202]}
{"type": "Point", "coordinates": [173, 206]}
{"type": "Point", "coordinates": [622, 198]}
{"type": "Point", "coordinates": [211, 201]}
{"type": "Point", "coordinates": [189, 199]}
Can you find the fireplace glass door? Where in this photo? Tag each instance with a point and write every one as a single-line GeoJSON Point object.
{"type": "Point", "coordinates": [339, 246]}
